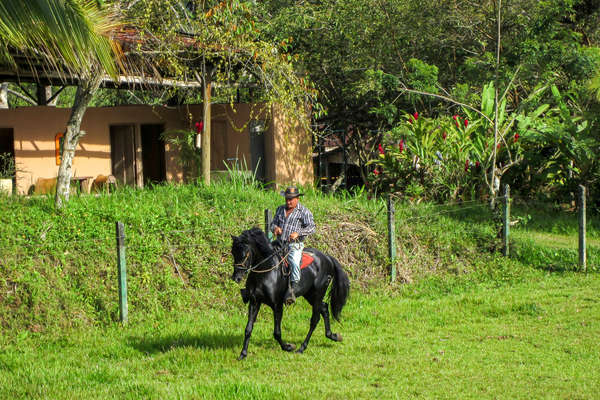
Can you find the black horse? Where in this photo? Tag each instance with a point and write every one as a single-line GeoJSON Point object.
{"type": "Point", "coordinates": [267, 283]}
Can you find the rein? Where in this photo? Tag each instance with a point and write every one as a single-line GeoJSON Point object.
{"type": "Point", "coordinates": [262, 271]}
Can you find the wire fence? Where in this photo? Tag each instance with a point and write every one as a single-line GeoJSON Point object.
{"type": "Point", "coordinates": [178, 247]}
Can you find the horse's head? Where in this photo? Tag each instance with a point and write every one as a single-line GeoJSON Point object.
{"type": "Point", "coordinates": [242, 258]}
{"type": "Point", "coordinates": [252, 246]}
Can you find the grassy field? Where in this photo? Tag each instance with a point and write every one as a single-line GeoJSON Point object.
{"type": "Point", "coordinates": [531, 339]}
{"type": "Point", "coordinates": [460, 322]}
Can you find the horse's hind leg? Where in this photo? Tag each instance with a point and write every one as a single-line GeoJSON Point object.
{"type": "Point", "coordinates": [252, 313]}
{"type": "Point", "coordinates": [278, 315]}
{"type": "Point", "coordinates": [314, 320]}
{"type": "Point", "coordinates": [325, 313]}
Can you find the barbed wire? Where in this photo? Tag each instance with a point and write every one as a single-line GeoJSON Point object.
{"type": "Point", "coordinates": [444, 212]}
{"type": "Point", "coordinates": [51, 243]}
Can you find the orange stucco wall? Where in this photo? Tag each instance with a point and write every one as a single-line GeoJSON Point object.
{"type": "Point", "coordinates": [287, 151]}
{"type": "Point", "coordinates": [292, 152]}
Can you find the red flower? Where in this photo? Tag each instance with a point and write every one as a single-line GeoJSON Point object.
{"type": "Point", "coordinates": [381, 151]}
{"type": "Point", "coordinates": [444, 135]}
{"type": "Point", "coordinates": [199, 126]}
{"type": "Point", "coordinates": [376, 171]}
{"type": "Point", "coordinates": [401, 145]}
{"type": "Point", "coordinates": [517, 136]}
{"type": "Point", "coordinates": [467, 165]}
{"type": "Point", "coordinates": [466, 122]}
{"type": "Point", "coordinates": [498, 146]}
{"type": "Point", "coordinates": [455, 117]}
{"type": "Point", "coordinates": [477, 164]}
{"type": "Point", "coordinates": [416, 115]}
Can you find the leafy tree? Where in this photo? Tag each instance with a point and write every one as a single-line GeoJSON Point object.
{"type": "Point", "coordinates": [219, 43]}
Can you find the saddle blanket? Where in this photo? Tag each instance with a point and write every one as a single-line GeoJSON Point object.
{"type": "Point", "coordinates": [307, 259]}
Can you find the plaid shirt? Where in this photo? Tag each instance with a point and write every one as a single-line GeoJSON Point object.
{"type": "Point", "coordinates": [300, 220]}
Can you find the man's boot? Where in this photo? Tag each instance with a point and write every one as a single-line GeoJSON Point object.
{"type": "Point", "coordinates": [290, 295]}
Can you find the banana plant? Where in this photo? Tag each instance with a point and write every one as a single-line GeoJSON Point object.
{"type": "Point", "coordinates": [573, 136]}
{"type": "Point", "coordinates": [515, 127]}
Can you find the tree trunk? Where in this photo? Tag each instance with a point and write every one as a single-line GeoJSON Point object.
{"type": "Point", "coordinates": [495, 184]}
{"type": "Point", "coordinates": [4, 95]}
{"type": "Point", "coordinates": [85, 92]}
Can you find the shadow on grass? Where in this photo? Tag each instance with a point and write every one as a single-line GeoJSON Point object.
{"type": "Point", "coordinates": [170, 342]}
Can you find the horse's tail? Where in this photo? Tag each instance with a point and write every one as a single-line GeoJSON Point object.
{"type": "Point", "coordinates": [339, 290]}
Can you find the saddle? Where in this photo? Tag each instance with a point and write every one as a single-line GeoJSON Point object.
{"type": "Point", "coordinates": [307, 257]}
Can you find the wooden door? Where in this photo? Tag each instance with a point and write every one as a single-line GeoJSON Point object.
{"type": "Point", "coordinates": [122, 153]}
{"type": "Point", "coordinates": [218, 146]}
{"type": "Point", "coordinates": [257, 149]}
{"type": "Point", "coordinates": [153, 154]}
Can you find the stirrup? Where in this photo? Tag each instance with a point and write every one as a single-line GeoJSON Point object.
{"type": "Point", "coordinates": [290, 298]}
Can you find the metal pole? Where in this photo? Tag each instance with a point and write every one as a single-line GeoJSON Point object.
{"type": "Point", "coordinates": [506, 220]}
{"type": "Point", "coordinates": [268, 219]}
{"type": "Point", "coordinates": [122, 271]}
{"type": "Point", "coordinates": [582, 222]}
{"type": "Point", "coordinates": [392, 236]}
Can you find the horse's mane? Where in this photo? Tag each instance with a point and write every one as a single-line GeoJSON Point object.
{"type": "Point", "coordinates": [258, 238]}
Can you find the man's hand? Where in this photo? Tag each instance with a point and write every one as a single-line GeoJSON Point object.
{"type": "Point", "coordinates": [277, 231]}
{"type": "Point", "coordinates": [294, 236]}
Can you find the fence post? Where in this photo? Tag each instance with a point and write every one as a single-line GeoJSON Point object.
{"type": "Point", "coordinates": [268, 219]}
{"type": "Point", "coordinates": [122, 272]}
{"type": "Point", "coordinates": [506, 220]}
{"type": "Point", "coordinates": [392, 235]}
{"type": "Point", "coordinates": [582, 230]}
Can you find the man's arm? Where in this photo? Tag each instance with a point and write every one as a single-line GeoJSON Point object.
{"type": "Point", "coordinates": [308, 223]}
{"type": "Point", "coordinates": [277, 220]}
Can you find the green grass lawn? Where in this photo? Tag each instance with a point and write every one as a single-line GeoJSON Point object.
{"type": "Point", "coordinates": [461, 322]}
{"type": "Point", "coordinates": [532, 338]}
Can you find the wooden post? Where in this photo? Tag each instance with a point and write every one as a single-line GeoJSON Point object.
{"type": "Point", "coordinates": [122, 272]}
{"type": "Point", "coordinates": [582, 230]}
{"type": "Point", "coordinates": [206, 133]}
{"type": "Point", "coordinates": [345, 160]}
{"type": "Point", "coordinates": [392, 236]}
{"type": "Point", "coordinates": [506, 220]}
{"type": "Point", "coordinates": [268, 219]}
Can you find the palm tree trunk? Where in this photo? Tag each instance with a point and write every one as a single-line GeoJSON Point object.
{"type": "Point", "coordinates": [85, 92]}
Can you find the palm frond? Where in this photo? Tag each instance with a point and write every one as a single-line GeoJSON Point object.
{"type": "Point", "coordinates": [65, 35]}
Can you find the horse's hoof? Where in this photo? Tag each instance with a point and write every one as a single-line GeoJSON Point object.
{"type": "Point", "coordinates": [241, 357]}
{"type": "Point", "coordinates": [338, 337]}
{"type": "Point", "coordinates": [289, 347]}
{"type": "Point", "coordinates": [300, 350]}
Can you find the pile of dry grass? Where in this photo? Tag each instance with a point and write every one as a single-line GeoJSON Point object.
{"type": "Point", "coordinates": [359, 248]}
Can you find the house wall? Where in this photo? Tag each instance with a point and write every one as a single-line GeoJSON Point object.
{"type": "Point", "coordinates": [287, 150]}
{"type": "Point", "coordinates": [292, 152]}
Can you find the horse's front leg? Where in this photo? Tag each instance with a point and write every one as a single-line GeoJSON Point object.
{"type": "Point", "coordinates": [314, 320]}
{"type": "Point", "coordinates": [253, 308]}
{"type": "Point", "coordinates": [277, 317]}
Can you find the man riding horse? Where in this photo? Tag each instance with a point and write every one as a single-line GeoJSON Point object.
{"type": "Point", "coordinates": [292, 224]}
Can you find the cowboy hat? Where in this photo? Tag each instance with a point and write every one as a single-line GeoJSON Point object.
{"type": "Point", "coordinates": [291, 192]}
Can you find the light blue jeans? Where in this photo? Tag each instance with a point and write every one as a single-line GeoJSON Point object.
{"type": "Point", "coordinates": [294, 258]}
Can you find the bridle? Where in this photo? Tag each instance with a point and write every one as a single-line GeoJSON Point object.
{"type": "Point", "coordinates": [253, 268]}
